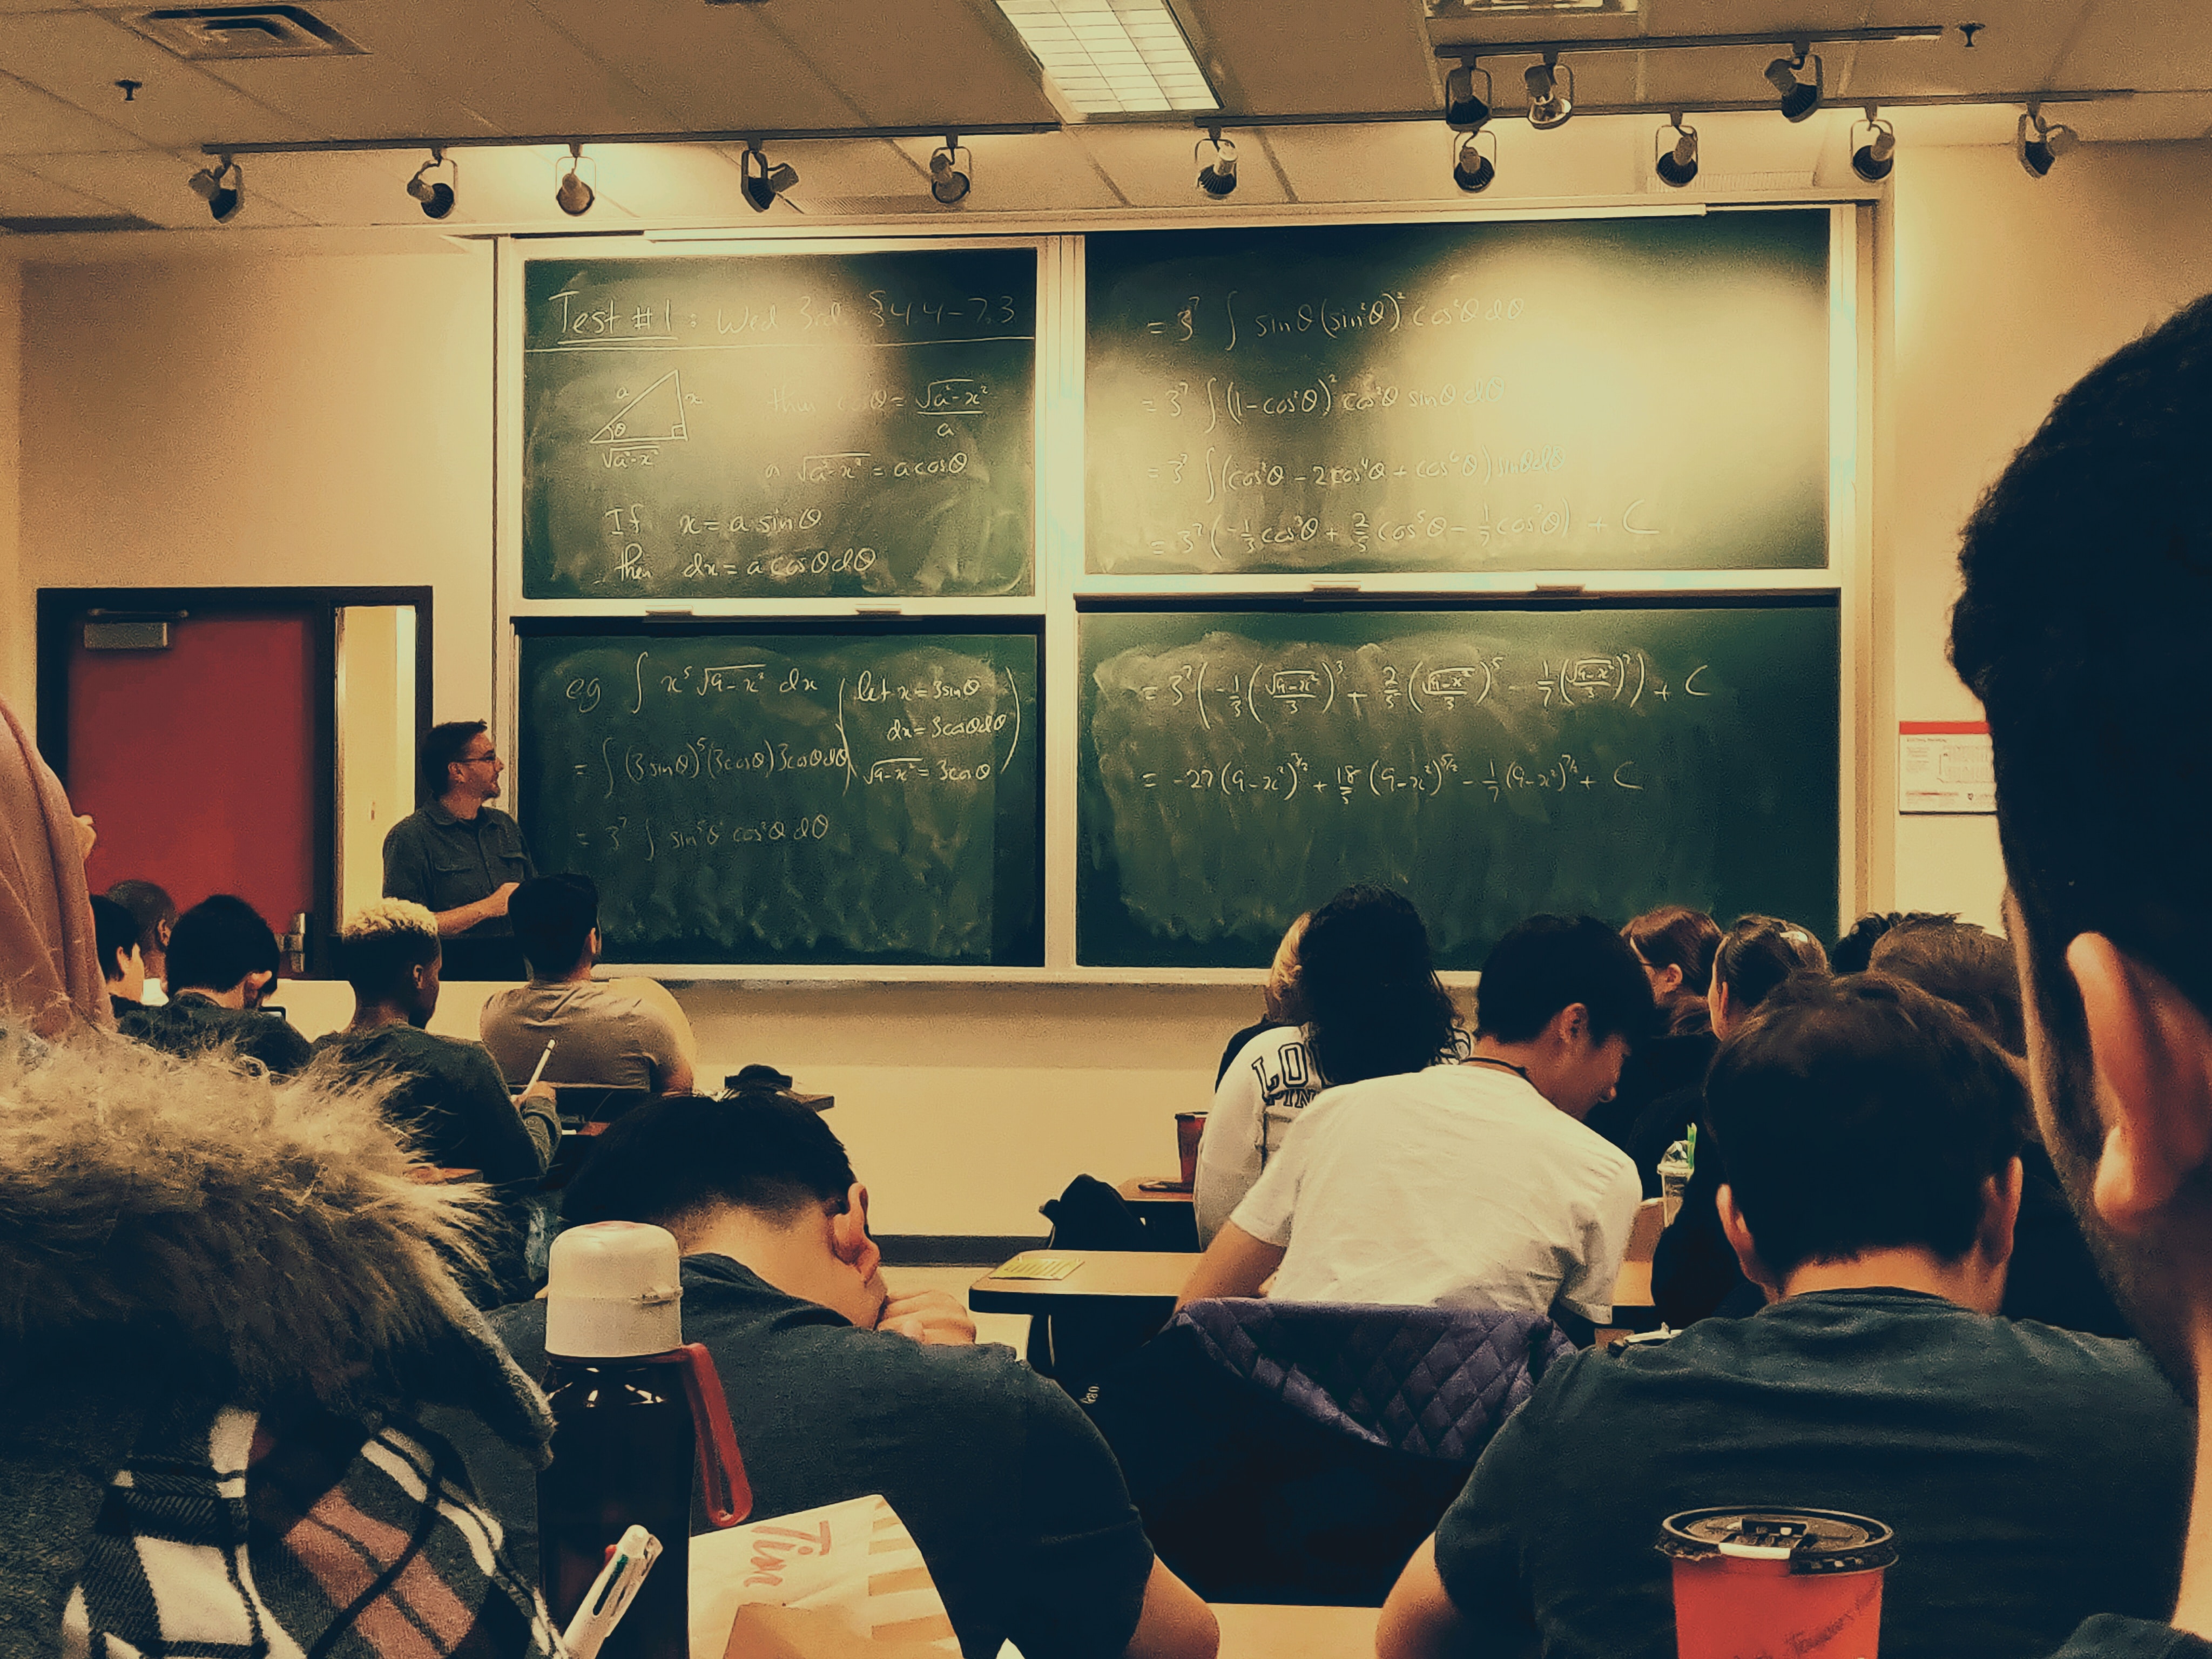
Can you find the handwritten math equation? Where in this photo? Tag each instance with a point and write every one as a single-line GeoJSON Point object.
{"type": "Point", "coordinates": [1234, 403]}
{"type": "Point", "coordinates": [576, 318]}
{"type": "Point", "coordinates": [1382, 779]}
{"type": "Point", "coordinates": [1316, 682]}
{"type": "Point", "coordinates": [1234, 319]}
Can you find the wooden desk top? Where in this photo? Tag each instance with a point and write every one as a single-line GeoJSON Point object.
{"type": "Point", "coordinates": [1132, 1192]}
{"type": "Point", "coordinates": [1633, 1288]}
{"type": "Point", "coordinates": [1134, 1278]}
{"type": "Point", "coordinates": [1265, 1632]}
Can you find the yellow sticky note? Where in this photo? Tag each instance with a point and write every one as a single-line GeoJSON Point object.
{"type": "Point", "coordinates": [1039, 1266]}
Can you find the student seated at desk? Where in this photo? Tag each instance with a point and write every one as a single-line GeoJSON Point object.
{"type": "Point", "coordinates": [115, 934]}
{"type": "Point", "coordinates": [221, 961]}
{"type": "Point", "coordinates": [1370, 1005]}
{"type": "Point", "coordinates": [624, 1033]}
{"type": "Point", "coordinates": [1866, 1135]}
{"type": "Point", "coordinates": [1473, 1184]}
{"type": "Point", "coordinates": [446, 1094]}
{"type": "Point", "coordinates": [840, 1387]}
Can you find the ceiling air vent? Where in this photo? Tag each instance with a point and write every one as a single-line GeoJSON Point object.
{"type": "Point", "coordinates": [236, 34]}
{"type": "Point", "coordinates": [67, 225]}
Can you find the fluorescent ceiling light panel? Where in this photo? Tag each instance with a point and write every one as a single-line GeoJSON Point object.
{"type": "Point", "coordinates": [1113, 57]}
{"type": "Point", "coordinates": [1448, 9]}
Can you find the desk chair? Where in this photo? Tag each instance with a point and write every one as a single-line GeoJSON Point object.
{"type": "Point", "coordinates": [1300, 1452]}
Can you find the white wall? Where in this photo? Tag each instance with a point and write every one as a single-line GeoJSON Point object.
{"type": "Point", "coordinates": [2006, 291]}
{"type": "Point", "coordinates": [265, 423]}
{"type": "Point", "coordinates": [329, 419]}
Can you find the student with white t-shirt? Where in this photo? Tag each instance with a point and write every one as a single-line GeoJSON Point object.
{"type": "Point", "coordinates": [1467, 1185]}
{"type": "Point", "coordinates": [1372, 1006]}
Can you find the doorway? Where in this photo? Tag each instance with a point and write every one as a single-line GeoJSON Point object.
{"type": "Point", "coordinates": [238, 740]}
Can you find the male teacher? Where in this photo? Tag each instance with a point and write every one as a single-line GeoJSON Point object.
{"type": "Point", "coordinates": [458, 856]}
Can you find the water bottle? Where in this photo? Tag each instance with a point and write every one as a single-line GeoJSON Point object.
{"type": "Point", "coordinates": [635, 1409]}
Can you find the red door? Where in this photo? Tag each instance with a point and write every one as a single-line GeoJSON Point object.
{"type": "Point", "coordinates": [199, 762]}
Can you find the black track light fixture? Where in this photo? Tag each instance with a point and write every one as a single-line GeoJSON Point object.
{"type": "Point", "coordinates": [1475, 170]}
{"type": "Point", "coordinates": [1800, 98]}
{"type": "Point", "coordinates": [1549, 103]}
{"type": "Point", "coordinates": [763, 183]}
{"type": "Point", "coordinates": [1676, 161]}
{"type": "Point", "coordinates": [437, 196]}
{"type": "Point", "coordinates": [952, 171]}
{"type": "Point", "coordinates": [222, 187]}
{"type": "Point", "coordinates": [2040, 144]}
{"type": "Point", "coordinates": [1216, 163]}
{"type": "Point", "coordinates": [573, 194]}
{"type": "Point", "coordinates": [1467, 110]}
{"type": "Point", "coordinates": [1874, 147]}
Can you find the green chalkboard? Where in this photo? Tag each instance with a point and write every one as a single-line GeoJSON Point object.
{"type": "Point", "coordinates": [867, 794]}
{"type": "Point", "coordinates": [1237, 768]}
{"type": "Point", "coordinates": [785, 425]}
{"type": "Point", "coordinates": [1591, 394]}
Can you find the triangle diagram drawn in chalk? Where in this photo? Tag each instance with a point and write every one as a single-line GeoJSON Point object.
{"type": "Point", "coordinates": [655, 415]}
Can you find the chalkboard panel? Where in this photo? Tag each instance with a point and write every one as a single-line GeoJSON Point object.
{"type": "Point", "coordinates": [794, 795]}
{"type": "Point", "coordinates": [1237, 768]}
{"type": "Point", "coordinates": [787, 425]}
{"type": "Point", "coordinates": [1595, 394]}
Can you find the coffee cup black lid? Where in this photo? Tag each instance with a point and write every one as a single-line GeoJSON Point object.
{"type": "Point", "coordinates": [1810, 1540]}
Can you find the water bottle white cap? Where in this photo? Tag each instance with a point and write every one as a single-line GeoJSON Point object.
{"type": "Point", "coordinates": [612, 1292]}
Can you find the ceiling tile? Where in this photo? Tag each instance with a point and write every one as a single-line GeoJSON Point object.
{"type": "Point", "coordinates": [36, 123]}
{"type": "Point", "coordinates": [78, 56]}
{"type": "Point", "coordinates": [717, 68]}
{"type": "Point", "coordinates": [24, 195]}
{"type": "Point", "coordinates": [1299, 57]}
{"type": "Point", "coordinates": [507, 63]}
{"type": "Point", "coordinates": [365, 96]}
{"type": "Point", "coordinates": [945, 62]}
{"type": "Point", "coordinates": [2161, 45]}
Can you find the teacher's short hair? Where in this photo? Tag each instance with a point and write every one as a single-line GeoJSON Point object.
{"type": "Point", "coordinates": [441, 746]}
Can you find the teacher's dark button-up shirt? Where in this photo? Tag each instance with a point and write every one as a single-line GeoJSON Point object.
{"type": "Point", "coordinates": [443, 862]}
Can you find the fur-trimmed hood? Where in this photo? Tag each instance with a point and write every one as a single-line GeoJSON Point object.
{"type": "Point", "coordinates": [264, 1237]}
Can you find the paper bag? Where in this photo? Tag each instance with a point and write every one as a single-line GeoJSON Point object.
{"type": "Point", "coordinates": [842, 1579]}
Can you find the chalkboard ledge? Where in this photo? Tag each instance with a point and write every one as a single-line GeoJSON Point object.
{"type": "Point", "coordinates": [812, 975]}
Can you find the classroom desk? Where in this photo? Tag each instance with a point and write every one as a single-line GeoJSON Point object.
{"type": "Point", "coordinates": [1153, 1280]}
{"type": "Point", "coordinates": [1250, 1632]}
{"type": "Point", "coordinates": [1171, 1218]}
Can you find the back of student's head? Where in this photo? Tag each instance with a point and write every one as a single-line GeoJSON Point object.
{"type": "Point", "coordinates": [1860, 1113]}
{"type": "Point", "coordinates": [1374, 1007]}
{"type": "Point", "coordinates": [381, 945]}
{"type": "Point", "coordinates": [2079, 629]}
{"type": "Point", "coordinates": [1285, 996]}
{"type": "Point", "coordinates": [1853, 952]}
{"type": "Point", "coordinates": [1675, 936]}
{"type": "Point", "coordinates": [553, 917]}
{"type": "Point", "coordinates": [442, 745]}
{"type": "Point", "coordinates": [1550, 963]}
{"type": "Point", "coordinates": [150, 906]}
{"type": "Point", "coordinates": [115, 933]}
{"type": "Point", "coordinates": [675, 1161]}
{"type": "Point", "coordinates": [1970, 968]}
{"type": "Point", "coordinates": [217, 942]}
{"type": "Point", "coordinates": [1758, 955]}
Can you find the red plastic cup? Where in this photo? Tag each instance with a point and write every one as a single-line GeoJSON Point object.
{"type": "Point", "coordinates": [1805, 1583]}
{"type": "Point", "coordinates": [1191, 1128]}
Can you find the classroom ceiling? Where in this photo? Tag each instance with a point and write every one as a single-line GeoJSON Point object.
{"type": "Point", "coordinates": [72, 147]}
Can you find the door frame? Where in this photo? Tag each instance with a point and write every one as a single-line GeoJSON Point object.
{"type": "Point", "coordinates": [59, 607]}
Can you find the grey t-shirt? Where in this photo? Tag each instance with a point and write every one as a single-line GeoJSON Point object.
{"type": "Point", "coordinates": [2033, 1476]}
{"type": "Point", "coordinates": [606, 1033]}
{"type": "Point", "coordinates": [1013, 1497]}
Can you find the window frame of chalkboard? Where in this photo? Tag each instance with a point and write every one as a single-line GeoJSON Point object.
{"type": "Point", "coordinates": [1062, 585]}
{"type": "Point", "coordinates": [648, 629]}
{"type": "Point", "coordinates": [1051, 345]}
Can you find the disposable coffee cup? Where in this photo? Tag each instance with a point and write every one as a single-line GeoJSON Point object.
{"type": "Point", "coordinates": [1191, 1128]}
{"type": "Point", "coordinates": [1674, 1180]}
{"type": "Point", "coordinates": [1805, 1583]}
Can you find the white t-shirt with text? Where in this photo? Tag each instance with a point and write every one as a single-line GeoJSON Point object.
{"type": "Point", "coordinates": [1457, 1186]}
